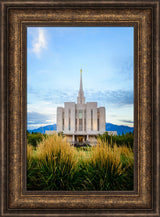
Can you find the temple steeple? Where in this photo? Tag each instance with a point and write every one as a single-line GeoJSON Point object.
{"type": "Point", "coordinates": [81, 98]}
{"type": "Point", "coordinates": [81, 86]}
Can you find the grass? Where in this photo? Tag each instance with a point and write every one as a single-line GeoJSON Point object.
{"type": "Point", "coordinates": [55, 165]}
{"type": "Point", "coordinates": [126, 139]}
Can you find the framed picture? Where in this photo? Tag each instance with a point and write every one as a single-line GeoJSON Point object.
{"type": "Point", "coordinates": [54, 71]}
{"type": "Point", "coordinates": [82, 123]}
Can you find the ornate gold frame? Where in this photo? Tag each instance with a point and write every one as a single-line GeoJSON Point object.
{"type": "Point", "coordinates": [144, 17]}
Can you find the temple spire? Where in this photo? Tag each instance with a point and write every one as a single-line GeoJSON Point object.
{"type": "Point", "coordinates": [81, 86]}
{"type": "Point", "coordinates": [81, 98]}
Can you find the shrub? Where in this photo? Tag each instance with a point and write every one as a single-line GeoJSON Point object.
{"type": "Point", "coordinates": [34, 138]}
{"type": "Point", "coordinates": [106, 170]}
{"type": "Point", "coordinates": [32, 169]}
{"type": "Point", "coordinates": [124, 139]}
{"type": "Point", "coordinates": [55, 165]}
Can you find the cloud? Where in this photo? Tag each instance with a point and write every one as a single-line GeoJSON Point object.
{"type": "Point", "coordinates": [31, 90]}
{"type": "Point", "coordinates": [123, 70]}
{"type": "Point", "coordinates": [42, 108]}
{"type": "Point", "coordinates": [56, 96]}
{"type": "Point", "coordinates": [127, 121]}
{"type": "Point", "coordinates": [59, 96]}
{"type": "Point", "coordinates": [127, 65]}
{"type": "Point", "coordinates": [35, 118]}
{"type": "Point", "coordinates": [117, 97]}
{"type": "Point", "coordinates": [127, 69]}
{"type": "Point", "coordinates": [39, 42]}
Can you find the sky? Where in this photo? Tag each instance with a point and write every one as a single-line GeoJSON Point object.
{"type": "Point", "coordinates": [55, 56]}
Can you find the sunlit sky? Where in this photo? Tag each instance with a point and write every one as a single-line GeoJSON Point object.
{"type": "Point", "coordinates": [55, 56]}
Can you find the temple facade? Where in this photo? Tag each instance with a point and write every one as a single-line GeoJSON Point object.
{"type": "Point", "coordinates": [81, 121]}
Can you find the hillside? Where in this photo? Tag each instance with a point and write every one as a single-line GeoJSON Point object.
{"type": "Point", "coordinates": [119, 128]}
{"type": "Point", "coordinates": [109, 127]}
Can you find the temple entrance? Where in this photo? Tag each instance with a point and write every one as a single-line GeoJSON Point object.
{"type": "Point", "coordinates": [80, 139]}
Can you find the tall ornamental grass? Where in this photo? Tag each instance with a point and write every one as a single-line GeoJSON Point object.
{"type": "Point", "coordinates": [55, 165]}
{"type": "Point", "coordinates": [109, 168]}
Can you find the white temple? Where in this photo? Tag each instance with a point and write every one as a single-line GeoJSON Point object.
{"type": "Point", "coordinates": [81, 122]}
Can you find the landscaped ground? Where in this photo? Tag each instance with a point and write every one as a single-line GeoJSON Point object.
{"type": "Point", "coordinates": [55, 165]}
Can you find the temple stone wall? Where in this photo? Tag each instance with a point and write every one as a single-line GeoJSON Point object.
{"type": "Point", "coordinates": [102, 119]}
{"type": "Point", "coordinates": [59, 118]}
